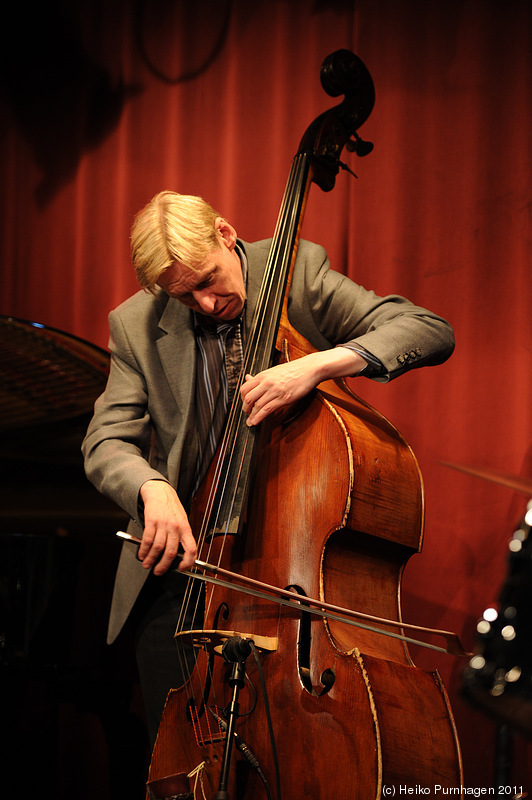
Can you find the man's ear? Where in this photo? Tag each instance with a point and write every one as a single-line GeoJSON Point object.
{"type": "Point", "coordinates": [226, 231]}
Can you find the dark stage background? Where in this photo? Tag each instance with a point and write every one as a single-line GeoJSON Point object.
{"type": "Point", "coordinates": [106, 102]}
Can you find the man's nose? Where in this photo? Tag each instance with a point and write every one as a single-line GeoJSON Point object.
{"type": "Point", "coordinates": [205, 300]}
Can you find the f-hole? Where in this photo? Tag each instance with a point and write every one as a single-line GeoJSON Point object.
{"type": "Point", "coordinates": [304, 641]}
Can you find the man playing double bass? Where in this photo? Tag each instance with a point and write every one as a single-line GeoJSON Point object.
{"type": "Point", "coordinates": [176, 353]}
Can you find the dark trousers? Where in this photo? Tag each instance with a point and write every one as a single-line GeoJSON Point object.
{"type": "Point", "coordinates": [163, 663]}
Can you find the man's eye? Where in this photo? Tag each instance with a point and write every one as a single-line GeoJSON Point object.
{"type": "Point", "coordinates": [207, 282]}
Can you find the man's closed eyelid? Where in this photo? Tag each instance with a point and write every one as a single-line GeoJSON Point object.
{"type": "Point", "coordinates": [208, 280]}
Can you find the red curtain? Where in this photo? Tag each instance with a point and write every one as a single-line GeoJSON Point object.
{"type": "Point", "coordinates": [106, 102]}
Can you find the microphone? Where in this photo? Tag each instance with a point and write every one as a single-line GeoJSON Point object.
{"type": "Point", "coordinates": [236, 649]}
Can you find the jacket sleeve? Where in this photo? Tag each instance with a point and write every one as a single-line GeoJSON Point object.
{"type": "Point", "coordinates": [116, 446]}
{"type": "Point", "coordinates": [329, 309]}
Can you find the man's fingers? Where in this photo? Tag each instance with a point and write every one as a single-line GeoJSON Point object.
{"type": "Point", "coordinates": [155, 547]}
{"type": "Point", "coordinates": [164, 561]}
{"type": "Point", "coordinates": [148, 535]}
{"type": "Point", "coordinates": [190, 552]}
{"type": "Point", "coordinates": [166, 526]}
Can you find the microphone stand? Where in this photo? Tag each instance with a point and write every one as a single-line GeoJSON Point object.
{"type": "Point", "coordinates": [235, 651]}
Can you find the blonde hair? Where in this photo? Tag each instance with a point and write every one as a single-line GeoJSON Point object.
{"type": "Point", "coordinates": [171, 227]}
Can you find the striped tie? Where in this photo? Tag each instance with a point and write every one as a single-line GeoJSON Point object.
{"type": "Point", "coordinates": [217, 345]}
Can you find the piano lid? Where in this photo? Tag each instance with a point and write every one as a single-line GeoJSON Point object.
{"type": "Point", "coordinates": [46, 375]}
{"type": "Point", "coordinates": [58, 548]}
{"type": "Point", "coordinates": [49, 381]}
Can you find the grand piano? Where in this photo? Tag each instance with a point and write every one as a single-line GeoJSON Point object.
{"type": "Point", "coordinates": [69, 702]}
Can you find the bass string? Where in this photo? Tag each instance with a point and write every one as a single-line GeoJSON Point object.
{"type": "Point", "coordinates": [257, 356]}
{"type": "Point", "coordinates": [270, 284]}
{"type": "Point", "coordinates": [263, 328]}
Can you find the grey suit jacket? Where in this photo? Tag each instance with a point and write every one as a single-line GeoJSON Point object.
{"type": "Point", "coordinates": [143, 419]}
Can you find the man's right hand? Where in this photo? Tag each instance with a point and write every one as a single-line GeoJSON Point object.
{"type": "Point", "coordinates": [166, 526]}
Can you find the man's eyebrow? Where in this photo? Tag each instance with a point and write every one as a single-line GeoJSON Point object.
{"type": "Point", "coordinates": [184, 288]}
{"type": "Point", "coordinates": [206, 278]}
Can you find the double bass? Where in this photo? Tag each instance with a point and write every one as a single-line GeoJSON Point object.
{"type": "Point", "coordinates": [303, 685]}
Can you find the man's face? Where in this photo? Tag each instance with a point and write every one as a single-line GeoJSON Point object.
{"type": "Point", "coordinates": [216, 289]}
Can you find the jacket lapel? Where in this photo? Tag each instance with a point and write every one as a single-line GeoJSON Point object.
{"type": "Point", "coordinates": [176, 351]}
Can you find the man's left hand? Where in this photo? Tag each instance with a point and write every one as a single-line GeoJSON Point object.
{"type": "Point", "coordinates": [286, 383]}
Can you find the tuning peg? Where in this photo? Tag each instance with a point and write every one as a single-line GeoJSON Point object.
{"type": "Point", "coordinates": [359, 146]}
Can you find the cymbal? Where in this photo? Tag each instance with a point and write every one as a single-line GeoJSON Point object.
{"type": "Point", "coordinates": [518, 484]}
